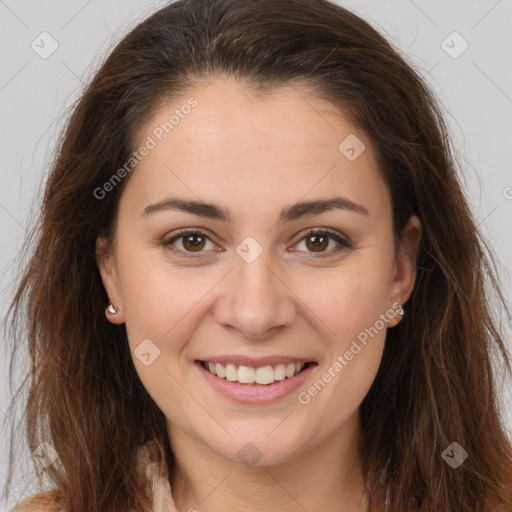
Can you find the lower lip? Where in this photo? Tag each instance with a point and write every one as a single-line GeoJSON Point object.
{"type": "Point", "coordinates": [255, 393]}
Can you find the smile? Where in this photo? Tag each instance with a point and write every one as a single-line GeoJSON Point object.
{"type": "Point", "coordinates": [264, 384]}
{"type": "Point", "coordinates": [248, 375]}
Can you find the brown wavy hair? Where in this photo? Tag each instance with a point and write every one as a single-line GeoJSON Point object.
{"type": "Point", "coordinates": [437, 382]}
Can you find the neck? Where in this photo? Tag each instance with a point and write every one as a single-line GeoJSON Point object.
{"type": "Point", "coordinates": [325, 477]}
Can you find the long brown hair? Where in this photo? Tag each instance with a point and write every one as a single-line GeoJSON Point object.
{"type": "Point", "coordinates": [436, 383]}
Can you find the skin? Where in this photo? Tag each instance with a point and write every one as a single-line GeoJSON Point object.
{"type": "Point", "coordinates": [256, 155]}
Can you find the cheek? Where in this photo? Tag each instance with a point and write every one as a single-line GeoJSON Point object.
{"type": "Point", "coordinates": [353, 347]}
{"type": "Point", "coordinates": [349, 299]}
{"type": "Point", "coordinates": [155, 297]}
{"type": "Point", "coordinates": [350, 306]}
{"type": "Point", "coordinates": [160, 306]}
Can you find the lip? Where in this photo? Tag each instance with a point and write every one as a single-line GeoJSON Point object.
{"type": "Point", "coordinates": [255, 393]}
{"type": "Point", "coordinates": [255, 362]}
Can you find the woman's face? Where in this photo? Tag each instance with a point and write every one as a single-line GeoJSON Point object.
{"type": "Point", "coordinates": [248, 281]}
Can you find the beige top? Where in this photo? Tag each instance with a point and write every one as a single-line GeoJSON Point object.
{"type": "Point", "coordinates": [154, 471]}
{"type": "Point", "coordinates": [151, 469]}
{"type": "Point", "coordinates": [149, 466]}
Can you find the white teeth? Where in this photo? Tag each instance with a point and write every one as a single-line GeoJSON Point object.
{"type": "Point", "coordinates": [231, 372]}
{"type": "Point", "coordinates": [246, 374]}
{"type": "Point", "coordinates": [280, 372]}
{"type": "Point", "coordinates": [219, 370]}
{"type": "Point", "coordinates": [290, 370]}
{"type": "Point", "coordinates": [264, 375]}
{"type": "Point", "coordinates": [249, 375]}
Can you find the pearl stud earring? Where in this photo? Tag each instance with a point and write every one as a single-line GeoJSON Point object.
{"type": "Point", "coordinates": [111, 309]}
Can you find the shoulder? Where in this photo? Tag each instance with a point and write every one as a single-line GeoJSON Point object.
{"type": "Point", "coordinates": [44, 502]}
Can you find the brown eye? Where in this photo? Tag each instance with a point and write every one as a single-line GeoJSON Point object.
{"type": "Point", "coordinates": [318, 242]}
{"type": "Point", "coordinates": [194, 242]}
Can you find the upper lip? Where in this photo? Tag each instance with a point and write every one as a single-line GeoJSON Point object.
{"type": "Point", "coordinates": [255, 362]}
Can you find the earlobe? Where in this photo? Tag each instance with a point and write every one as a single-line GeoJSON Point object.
{"type": "Point", "coordinates": [106, 265]}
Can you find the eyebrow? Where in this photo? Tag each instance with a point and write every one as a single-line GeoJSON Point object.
{"type": "Point", "coordinates": [291, 213]}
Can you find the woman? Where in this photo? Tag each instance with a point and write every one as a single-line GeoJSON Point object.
{"type": "Point", "coordinates": [261, 193]}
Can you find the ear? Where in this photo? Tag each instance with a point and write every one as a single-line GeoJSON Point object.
{"type": "Point", "coordinates": [105, 259]}
{"type": "Point", "coordinates": [405, 273]}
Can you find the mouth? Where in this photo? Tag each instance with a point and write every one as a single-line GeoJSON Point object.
{"type": "Point", "coordinates": [247, 375]}
{"type": "Point", "coordinates": [251, 385]}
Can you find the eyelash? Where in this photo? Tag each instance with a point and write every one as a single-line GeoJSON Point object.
{"type": "Point", "coordinates": [333, 235]}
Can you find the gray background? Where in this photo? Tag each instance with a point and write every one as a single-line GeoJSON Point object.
{"type": "Point", "coordinates": [475, 89]}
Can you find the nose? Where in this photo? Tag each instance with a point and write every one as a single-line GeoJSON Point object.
{"type": "Point", "coordinates": [256, 299]}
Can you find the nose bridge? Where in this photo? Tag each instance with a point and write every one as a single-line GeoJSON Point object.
{"type": "Point", "coordinates": [255, 278]}
{"type": "Point", "coordinates": [256, 300]}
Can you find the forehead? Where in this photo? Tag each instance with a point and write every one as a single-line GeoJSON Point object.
{"type": "Point", "coordinates": [242, 147]}
{"type": "Point", "coordinates": [229, 118]}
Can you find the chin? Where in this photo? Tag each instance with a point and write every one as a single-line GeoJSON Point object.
{"type": "Point", "coordinates": [253, 452]}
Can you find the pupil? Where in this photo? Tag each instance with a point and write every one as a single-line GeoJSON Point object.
{"type": "Point", "coordinates": [189, 240]}
{"type": "Point", "coordinates": [318, 244]}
